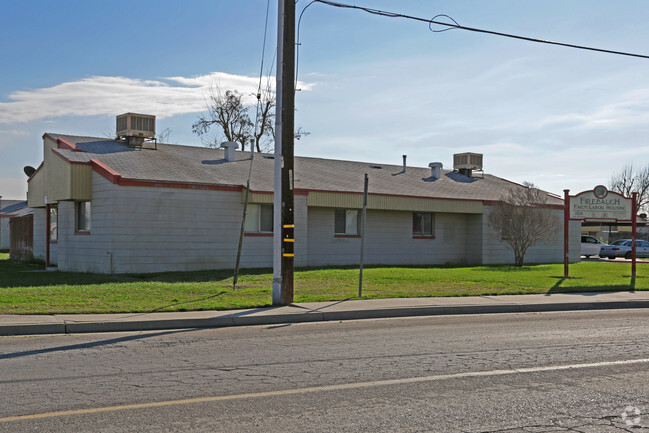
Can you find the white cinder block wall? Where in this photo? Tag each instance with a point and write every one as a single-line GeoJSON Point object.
{"type": "Point", "coordinates": [474, 240]}
{"type": "Point", "coordinates": [173, 229]}
{"type": "Point", "coordinates": [39, 233]}
{"type": "Point", "coordinates": [81, 252]}
{"type": "Point", "coordinates": [5, 237]}
{"type": "Point", "coordinates": [147, 229]}
{"type": "Point", "coordinates": [495, 251]}
{"type": "Point", "coordinates": [301, 218]}
{"type": "Point", "coordinates": [388, 240]}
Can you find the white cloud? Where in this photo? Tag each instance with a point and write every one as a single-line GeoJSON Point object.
{"type": "Point", "coordinates": [13, 132]}
{"type": "Point", "coordinates": [102, 95]}
{"type": "Point", "coordinates": [631, 109]}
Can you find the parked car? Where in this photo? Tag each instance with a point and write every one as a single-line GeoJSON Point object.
{"type": "Point", "coordinates": [590, 246]}
{"type": "Point", "coordinates": [622, 248]}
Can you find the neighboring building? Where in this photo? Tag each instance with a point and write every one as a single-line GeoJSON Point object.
{"type": "Point", "coordinates": [612, 232]}
{"type": "Point", "coordinates": [103, 206]}
{"type": "Point", "coordinates": [8, 210]}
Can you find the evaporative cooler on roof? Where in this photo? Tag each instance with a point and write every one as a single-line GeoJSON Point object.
{"type": "Point", "coordinates": [466, 162]}
{"type": "Point", "coordinates": [135, 128]}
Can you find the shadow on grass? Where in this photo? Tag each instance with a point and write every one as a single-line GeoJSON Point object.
{"type": "Point", "coordinates": [16, 274]}
{"type": "Point", "coordinates": [159, 309]}
{"type": "Point", "coordinates": [588, 290]}
{"type": "Point", "coordinates": [89, 345]}
{"type": "Point", "coordinates": [510, 268]}
{"type": "Point", "coordinates": [329, 304]}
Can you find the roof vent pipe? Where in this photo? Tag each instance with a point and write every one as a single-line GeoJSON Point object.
{"type": "Point", "coordinates": [229, 147]}
{"type": "Point", "coordinates": [436, 169]}
{"type": "Point", "coordinates": [404, 163]}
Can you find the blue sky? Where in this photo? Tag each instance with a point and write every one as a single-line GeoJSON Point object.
{"type": "Point", "coordinates": [373, 88]}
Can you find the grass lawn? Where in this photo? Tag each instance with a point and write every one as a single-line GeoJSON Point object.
{"type": "Point", "coordinates": [27, 289]}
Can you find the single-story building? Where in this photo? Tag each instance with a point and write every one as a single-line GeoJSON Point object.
{"type": "Point", "coordinates": [104, 206]}
{"type": "Point", "coordinates": [8, 210]}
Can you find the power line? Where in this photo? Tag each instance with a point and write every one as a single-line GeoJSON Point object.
{"type": "Point", "coordinates": [455, 25]}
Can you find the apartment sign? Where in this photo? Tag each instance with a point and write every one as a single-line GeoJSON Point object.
{"type": "Point", "coordinates": [601, 205]}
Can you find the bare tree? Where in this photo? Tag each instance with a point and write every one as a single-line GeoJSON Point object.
{"type": "Point", "coordinates": [523, 219]}
{"type": "Point", "coordinates": [629, 180]}
{"type": "Point", "coordinates": [266, 119]}
{"type": "Point", "coordinates": [228, 112]}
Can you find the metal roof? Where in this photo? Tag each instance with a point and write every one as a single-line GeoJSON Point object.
{"type": "Point", "coordinates": [12, 206]}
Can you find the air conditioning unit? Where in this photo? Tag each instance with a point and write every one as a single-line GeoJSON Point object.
{"type": "Point", "coordinates": [467, 161]}
{"type": "Point", "coordinates": [135, 125]}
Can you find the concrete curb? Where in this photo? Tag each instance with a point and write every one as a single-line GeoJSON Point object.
{"type": "Point", "coordinates": [71, 324]}
{"type": "Point", "coordinates": [32, 329]}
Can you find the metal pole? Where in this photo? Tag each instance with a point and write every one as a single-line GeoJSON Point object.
{"type": "Point", "coordinates": [634, 204]}
{"type": "Point", "coordinates": [360, 278]}
{"type": "Point", "coordinates": [566, 231]}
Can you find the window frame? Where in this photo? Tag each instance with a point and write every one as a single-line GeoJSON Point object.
{"type": "Point", "coordinates": [254, 223]}
{"type": "Point", "coordinates": [54, 224]}
{"type": "Point", "coordinates": [348, 214]}
{"type": "Point", "coordinates": [422, 234]}
{"type": "Point", "coordinates": [86, 207]}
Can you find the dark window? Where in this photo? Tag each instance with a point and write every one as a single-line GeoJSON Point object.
{"type": "Point", "coordinates": [422, 224]}
{"type": "Point", "coordinates": [265, 218]}
{"type": "Point", "coordinates": [347, 222]}
{"type": "Point", "coordinates": [259, 218]}
{"type": "Point", "coordinates": [83, 216]}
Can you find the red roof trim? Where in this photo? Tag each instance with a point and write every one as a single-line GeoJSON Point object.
{"type": "Point", "coordinates": [102, 169]}
{"type": "Point", "coordinates": [302, 191]}
{"type": "Point", "coordinates": [115, 178]}
{"type": "Point", "coordinates": [306, 191]}
{"type": "Point", "coordinates": [547, 206]}
{"type": "Point", "coordinates": [296, 191]}
{"type": "Point", "coordinates": [62, 143]}
{"type": "Point", "coordinates": [65, 144]}
{"type": "Point", "coordinates": [167, 184]}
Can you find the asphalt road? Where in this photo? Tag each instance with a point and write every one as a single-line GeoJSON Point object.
{"type": "Point", "coordinates": [578, 372]}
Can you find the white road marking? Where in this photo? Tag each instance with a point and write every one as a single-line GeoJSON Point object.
{"type": "Point", "coordinates": [323, 388]}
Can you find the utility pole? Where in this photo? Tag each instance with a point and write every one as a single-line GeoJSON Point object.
{"type": "Point", "coordinates": [284, 224]}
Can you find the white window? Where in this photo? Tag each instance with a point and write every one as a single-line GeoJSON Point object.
{"type": "Point", "coordinates": [259, 218]}
{"type": "Point", "coordinates": [347, 222]}
{"type": "Point", "coordinates": [83, 216]}
{"type": "Point", "coordinates": [422, 224]}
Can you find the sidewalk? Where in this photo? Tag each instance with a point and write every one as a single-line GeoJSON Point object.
{"type": "Point", "coordinates": [320, 311]}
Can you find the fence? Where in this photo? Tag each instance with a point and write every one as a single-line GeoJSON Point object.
{"type": "Point", "coordinates": [21, 230]}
